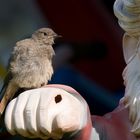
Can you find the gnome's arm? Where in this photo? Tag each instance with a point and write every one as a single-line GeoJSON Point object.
{"type": "Point", "coordinates": [55, 111]}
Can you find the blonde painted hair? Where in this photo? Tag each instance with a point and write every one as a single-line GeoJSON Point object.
{"type": "Point", "coordinates": [127, 12]}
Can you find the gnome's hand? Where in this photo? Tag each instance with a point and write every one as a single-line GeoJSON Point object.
{"type": "Point", "coordinates": [45, 113]}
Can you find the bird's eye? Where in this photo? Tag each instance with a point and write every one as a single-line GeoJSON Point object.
{"type": "Point", "coordinates": [45, 34]}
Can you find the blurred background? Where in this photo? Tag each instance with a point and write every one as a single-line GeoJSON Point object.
{"type": "Point", "coordinates": [88, 57]}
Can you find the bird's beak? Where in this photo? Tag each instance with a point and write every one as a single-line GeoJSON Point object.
{"type": "Point", "coordinates": [57, 36]}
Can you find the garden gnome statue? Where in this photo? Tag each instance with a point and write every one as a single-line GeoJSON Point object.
{"type": "Point", "coordinates": [60, 113]}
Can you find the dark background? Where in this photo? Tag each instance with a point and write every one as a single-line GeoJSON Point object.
{"type": "Point", "coordinates": [88, 56]}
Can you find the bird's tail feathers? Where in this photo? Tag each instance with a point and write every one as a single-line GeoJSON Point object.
{"type": "Point", "coordinates": [7, 94]}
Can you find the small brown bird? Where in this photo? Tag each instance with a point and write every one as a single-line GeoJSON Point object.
{"type": "Point", "coordinates": [30, 64]}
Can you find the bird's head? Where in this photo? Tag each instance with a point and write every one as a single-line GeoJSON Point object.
{"type": "Point", "coordinates": [45, 35]}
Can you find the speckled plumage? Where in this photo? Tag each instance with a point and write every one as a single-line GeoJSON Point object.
{"type": "Point", "coordinates": [30, 64]}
